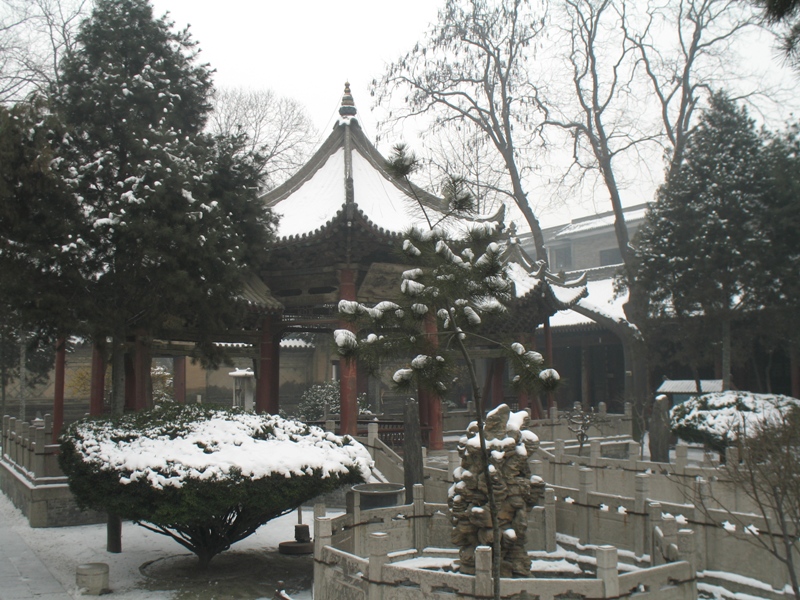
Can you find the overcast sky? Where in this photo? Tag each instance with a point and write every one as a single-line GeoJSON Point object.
{"type": "Point", "coordinates": [305, 49]}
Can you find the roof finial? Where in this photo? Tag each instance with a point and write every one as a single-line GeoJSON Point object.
{"type": "Point", "coordinates": [348, 107]}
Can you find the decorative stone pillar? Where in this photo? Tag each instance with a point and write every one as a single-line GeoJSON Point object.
{"type": "Point", "coordinates": [509, 443]}
{"type": "Point", "coordinates": [607, 570]}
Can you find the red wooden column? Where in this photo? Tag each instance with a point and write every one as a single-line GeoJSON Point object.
{"type": "Point", "coordinates": [433, 401]}
{"type": "Point", "coordinates": [348, 378]}
{"type": "Point", "coordinates": [179, 378]}
{"type": "Point", "coordinates": [267, 385]}
{"type": "Point", "coordinates": [58, 392]}
{"type": "Point", "coordinates": [98, 382]}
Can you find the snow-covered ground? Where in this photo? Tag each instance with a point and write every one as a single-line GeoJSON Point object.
{"type": "Point", "coordinates": [63, 549]}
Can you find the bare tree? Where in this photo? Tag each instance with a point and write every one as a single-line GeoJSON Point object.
{"type": "Point", "coordinates": [677, 46]}
{"type": "Point", "coordinates": [34, 36]}
{"type": "Point", "coordinates": [473, 69]}
{"type": "Point", "coordinates": [618, 54]}
{"type": "Point", "coordinates": [765, 467]}
{"type": "Point", "coordinates": [278, 128]}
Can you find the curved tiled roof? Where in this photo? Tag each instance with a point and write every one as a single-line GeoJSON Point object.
{"type": "Point", "coordinates": [348, 170]}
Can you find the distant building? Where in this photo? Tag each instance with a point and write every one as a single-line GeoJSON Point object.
{"type": "Point", "coordinates": [587, 355]}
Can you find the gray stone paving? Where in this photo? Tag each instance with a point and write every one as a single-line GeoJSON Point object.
{"type": "Point", "coordinates": [23, 575]}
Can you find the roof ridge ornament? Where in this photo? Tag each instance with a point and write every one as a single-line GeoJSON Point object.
{"type": "Point", "coordinates": [348, 107]}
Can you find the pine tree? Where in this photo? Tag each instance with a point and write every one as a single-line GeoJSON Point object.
{"type": "Point", "coordinates": [702, 241]}
{"type": "Point", "coordinates": [173, 223]}
{"type": "Point", "coordinates": [39, 233]}
{"type": "Point", "coordinates": [457, 289]}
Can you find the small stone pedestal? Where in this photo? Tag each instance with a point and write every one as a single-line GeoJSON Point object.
{"type": "Point", "coordinates": [92, 578]}
{"type": "Point", "coordinates": [302, 543]}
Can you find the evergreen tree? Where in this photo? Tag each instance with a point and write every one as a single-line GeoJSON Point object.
{"type": "Point", "coordinates": [40, 224]}
{"type": "Point", "coordinates": [453, 299]}
{"type": "Point", "coordinates": [702, 243]}
{"type": "Point", "coordinates": [172, 220]}
{"type": "Point", "coordinates": [39, 237]}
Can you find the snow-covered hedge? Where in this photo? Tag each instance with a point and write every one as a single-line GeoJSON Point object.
{"type": "Point", "coordinates": [185, 470]}
{"type": "Point", "coordinates": [718, 419]}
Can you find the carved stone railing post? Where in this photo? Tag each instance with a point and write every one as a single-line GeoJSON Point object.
{"type": "Point", "coordinates": [453, 462]}
{"type": "Point", "coordinates": [550, 519]}
{"type": "Point", "coordinates": [585, 487]}
{"type": "Point", "coordinates": [595, 451]}
{"type": "Point", "coordinates": [372, 436]}
{"type": "Point", "coordinates": [681, 458]}
{"type": "Point", "coordinates": [634, 453]}
{"type": "Point", "coordinates": [642, 489]}
{"type": "Point", "coordinates": [483, 571]}
{"type": "Point", "coordinates": [686, 547]}
{"type": "Point", "coordinates": [39, 457]}
{"type": "Point", "coordinates": [607, 570]}
{"type": "Point", "coordinates": [378, 550]}
{"type": "Point", "coordinates": [653, 520]}
{"type": "Point", "coordinates": [322, 538]}
{"type": "Point", "coordinates": [420, 524]}
{"type": "Point", "coordinates": [24, 445]}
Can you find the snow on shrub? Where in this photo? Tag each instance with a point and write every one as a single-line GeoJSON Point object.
{"type": "Point", "coordinates": [718, 419]}
{"type": "Point", "coordinates": [205, 477]}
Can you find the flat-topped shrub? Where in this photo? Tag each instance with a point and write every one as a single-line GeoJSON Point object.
{"type": "Point", "coordinates": [204, 476]}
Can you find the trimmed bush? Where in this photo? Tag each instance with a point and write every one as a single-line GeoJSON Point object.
{"type": "Point", "coordinates": [204, 476]}
{"type": "Point", "coordinates": [718, 419]}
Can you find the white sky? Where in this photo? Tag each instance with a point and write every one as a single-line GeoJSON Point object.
{"type": "Point", "coordinates": [304, 49]}
{"type": "Point", "coordinates": [307, 49]}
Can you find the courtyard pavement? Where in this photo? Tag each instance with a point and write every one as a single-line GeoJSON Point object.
{"type": "Point", "coordinates": [23, 576]}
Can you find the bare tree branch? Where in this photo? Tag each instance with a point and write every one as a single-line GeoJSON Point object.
{"type": "Point", "coordinates": [278, 128]}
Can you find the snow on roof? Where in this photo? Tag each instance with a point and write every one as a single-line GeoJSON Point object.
{"type": "Point", "coordinates": [524, 282]}
{"type": "Point", "coordinates": [385, 204]}
{"type": "Point", "coordinates": [600, 221]}
{"type": "Point", "coordinates": [316, 201]}
{"type": "Point", "coordinates": [601, 298]}
{"type": "Point", "coordinates": [689, 386]}
{"type": "Point", "coordinates": [296, 343]}
{"type": "Point", "coordinates": [242, 373]}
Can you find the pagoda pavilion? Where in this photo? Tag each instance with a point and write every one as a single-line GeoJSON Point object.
{"type": "Point", "coordinates": [342, 218]}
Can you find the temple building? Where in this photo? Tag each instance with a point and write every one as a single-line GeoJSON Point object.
{"type": "Point", "coordinates": [342, 218]}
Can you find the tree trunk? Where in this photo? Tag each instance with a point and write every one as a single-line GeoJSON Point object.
{"type": "Point", "coordinates": [117, 375]}
{"type": "Point", "coordinates": [3, 374]}
{"type": "Point", "coordinates": [23, 372]}
{"type": "Point", "coordinates": [726, 354]}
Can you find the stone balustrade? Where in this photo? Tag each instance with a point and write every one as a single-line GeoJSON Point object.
{"type": "Point", "coordinates": [31, 478]}
{"type": "Point", "coordinates": [372, 555]}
